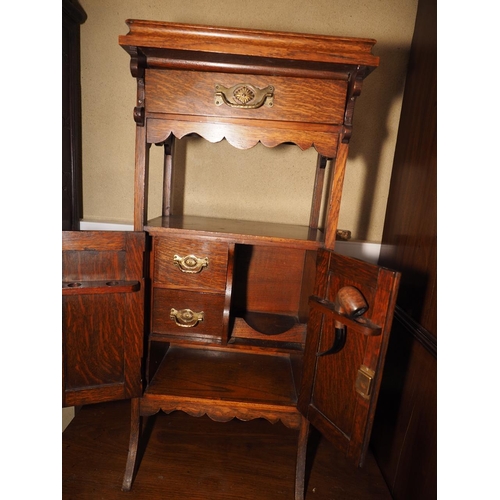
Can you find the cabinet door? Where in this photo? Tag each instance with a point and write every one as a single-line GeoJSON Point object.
{"type": "Point", "coordinates": [102, 315]}
{"type": "Point", "coordinates": [344, 355]}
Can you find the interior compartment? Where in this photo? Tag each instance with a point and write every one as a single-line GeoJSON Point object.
{"type": "Point", "coordinates": [271, 286]}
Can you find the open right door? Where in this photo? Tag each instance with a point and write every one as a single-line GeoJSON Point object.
{"type": "Point", "coordinates": [348, 330]}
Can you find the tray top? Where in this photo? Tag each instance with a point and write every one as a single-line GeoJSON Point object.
{"type": "Point", "coordinates": [248, 42]}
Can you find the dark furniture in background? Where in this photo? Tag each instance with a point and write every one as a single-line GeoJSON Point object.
{"type": "Point", "coordinates": [72, 17]}
{"type": "Point", "coordinates": [405, 429]}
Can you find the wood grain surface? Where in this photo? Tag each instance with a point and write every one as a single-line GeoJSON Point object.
{"type": "Point", "coordinates": [198, 459]}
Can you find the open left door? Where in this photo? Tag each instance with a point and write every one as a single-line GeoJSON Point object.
{"type": "Point", "coordinates": [347, 335]}
{"type": "Point", "coordinates": [102, 315]}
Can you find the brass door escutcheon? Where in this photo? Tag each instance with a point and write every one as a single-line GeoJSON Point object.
{"type": "Point", "coordinates": [185, 317]}
{"type": "Point", "coordinates": [244, 95]}
{"type": "Point", "coordinates": [190, 263]}
{"type": "Point", "coordinates": [364, 381]}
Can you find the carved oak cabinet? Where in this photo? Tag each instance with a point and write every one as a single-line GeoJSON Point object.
{"type": "Point", "coordinates": [233, 318]}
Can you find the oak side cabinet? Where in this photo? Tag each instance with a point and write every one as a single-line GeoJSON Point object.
{"type": "Point", "coordinates": [233, 318]}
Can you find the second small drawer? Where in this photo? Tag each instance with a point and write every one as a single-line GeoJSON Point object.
{"type": "Point", "coordinates": [185, 313]}
{"type": "Point", "coordinates": [185, 262]}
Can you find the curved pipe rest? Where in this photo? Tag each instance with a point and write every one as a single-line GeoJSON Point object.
{"type": "Point", "coordinates": [351, 303]}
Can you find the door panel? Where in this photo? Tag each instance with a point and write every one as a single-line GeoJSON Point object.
{"type": "Point", "coordinates": [103, 315]}
{"type": "Point", "coordinates": [340, 389]}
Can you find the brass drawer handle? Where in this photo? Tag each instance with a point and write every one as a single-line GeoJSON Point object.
{"type": "Point", "coordinates": [185, 317]}
{"type": "Point", "coordinates": [190, 263]}
{"type": "Point", "coordinates": [244, 95]}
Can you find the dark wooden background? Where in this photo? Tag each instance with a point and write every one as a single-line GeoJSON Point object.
{"type": "Point", "coordinates": [72, 210]}
{"type": "Point", "coordinates": [404, 439]}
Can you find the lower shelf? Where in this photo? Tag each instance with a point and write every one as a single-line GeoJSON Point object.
{"type": "Point", "coordinates": [224, 384]}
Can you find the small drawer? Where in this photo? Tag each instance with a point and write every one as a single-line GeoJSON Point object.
{"type": "Point", "coordinates": [197, 93]}
{"type": "Point", "coordinates": [185, 313]}
{"type": "Point", "coordinates": [188, 263]}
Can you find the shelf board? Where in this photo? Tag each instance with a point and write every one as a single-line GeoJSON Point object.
{"type": "Point", "coordinates": [239, 231]}
{"type": "Point", "coordinates": [225, 376]}
{"type": "Point", "coordinates": [272, 329]}
{"type": "Point", "coordinates": [268, 323]}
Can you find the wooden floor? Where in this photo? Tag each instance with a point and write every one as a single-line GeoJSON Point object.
{"type": "Point", "coordinates": [197, 459]}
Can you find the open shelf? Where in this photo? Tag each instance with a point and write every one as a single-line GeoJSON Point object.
{"type": "Point", "coordinates": [239, 231]}
{"type": "Point", "coordinates": [212, 375]}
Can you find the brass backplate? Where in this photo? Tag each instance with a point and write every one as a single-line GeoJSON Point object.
{"type": "Point", "coordinates": [244, 95]}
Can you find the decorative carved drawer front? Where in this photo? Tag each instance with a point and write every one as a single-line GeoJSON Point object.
{"type": "Point", "coordinates": [187, 313]}
{"type": "Point", "coordinates": [190, 263]}
{"type": "Point", "coordinates": [190, 93]}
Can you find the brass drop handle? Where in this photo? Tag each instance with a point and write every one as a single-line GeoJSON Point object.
{"type": "Point", "coordinates": [185, 317]}
{"type": "Point", "coordinates": [244, 95]}
{"type": "Point", "coordinates": [190, 263]}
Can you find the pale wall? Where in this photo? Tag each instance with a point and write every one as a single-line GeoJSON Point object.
{"type": "Point", "coordinates": [255, 184]}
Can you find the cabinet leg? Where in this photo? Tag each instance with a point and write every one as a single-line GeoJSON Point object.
{"type": "Point", "coordinates": [135, 424]}
{"type": "Point", "coordinates": [300, 471]}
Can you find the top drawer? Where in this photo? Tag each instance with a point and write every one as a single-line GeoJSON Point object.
{"type": "Point", "coordinates": [304, 100]}
{"type": "Point", "coordinates": [189, 263]}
